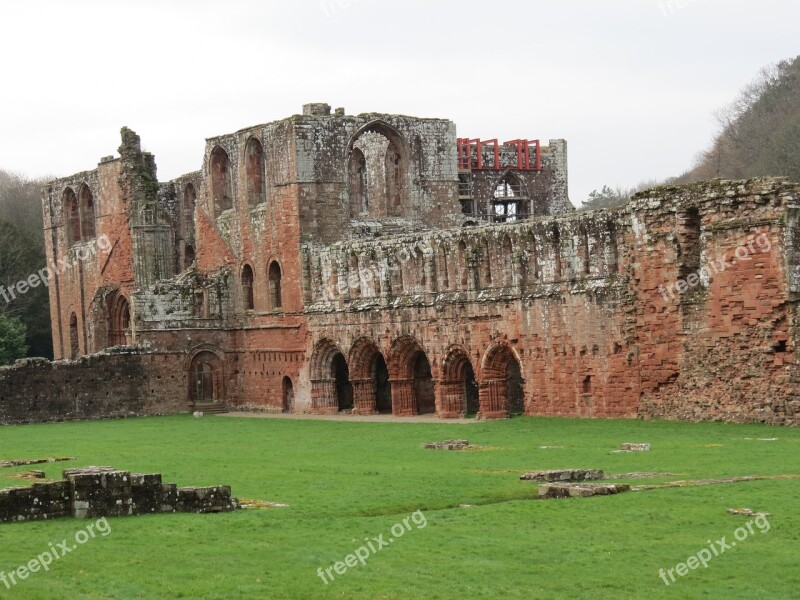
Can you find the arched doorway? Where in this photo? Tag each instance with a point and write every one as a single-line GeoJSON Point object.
{"type": "Point", "coordinates": [459, 388]}
{"type": "Point", "coordinates": [331, 390]}
{"type": "Point", "coordinates": [502, 386]}
{"type": "Point", "coordinates": [370, 378]}
{"type": "Point", "coordinates": [287, 395]}
{"type": "Point", "coordinates": [205, 379]}
{"type": "Point", "coordinates": [413, 389]}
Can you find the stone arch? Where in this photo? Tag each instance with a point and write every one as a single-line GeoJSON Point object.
{"type": "Point", "coordinates": [413, 390]}
{"type": "Point", "coordinates": [87, 212]}
{"type": "Point", "coordinates": [501, 386]}
{"type": "Point", "coordinates": [287, 395]}
{"type": "Point", "coordinates": [458, 386]}
{"type": "Point", "coordinates": [221, 189]}
{"type": "Point", "coordinates": [369, 376]}
{"type": "Point", "coordinates": [72, 216]}
{"type": "Point", "coordinates": [119, 319]}
{"type": "Point", "coordinates": [386, 171]}
{"type": "Point", "coordinates": [331, 390]}
{"type": "Point", "coordinates": [206, 377]}
{"type": "Point", "coordinates": [248, 284]}
{"type": "Point", "coordinates": [255, 172]}
{"type": "Point", "coordinates": [462, 266]}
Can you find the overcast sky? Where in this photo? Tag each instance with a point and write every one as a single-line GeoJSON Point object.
{"type": "Point", "coordinates": [631, 85]}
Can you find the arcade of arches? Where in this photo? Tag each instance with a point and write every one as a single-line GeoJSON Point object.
{"type": "Point", "coordinates": [408, 380]}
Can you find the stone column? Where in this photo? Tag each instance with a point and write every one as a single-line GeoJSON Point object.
{"type": "Point", "coordinates": [323, 397]}
{"type": "Point", "coordinates": [493, 398]}
{"type": "Point", "coordinates": [364, 397]}
{"type": "Point", "coordinates": [403, 404]}
{"type": "Point", "coordinates": [451, 401]}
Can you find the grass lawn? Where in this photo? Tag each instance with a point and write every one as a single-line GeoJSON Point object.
{"type": "Point", "coordinates": [345, 482]}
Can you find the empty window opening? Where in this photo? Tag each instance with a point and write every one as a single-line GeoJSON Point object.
{"type": "Point", "coordinates": [247, 288]}
{"type": "Point", "coordinates": [221, 191]}
{"type": "Point", "coordinates": [275, 292]}
{"type": "Point", "coordinates": [256, 173]}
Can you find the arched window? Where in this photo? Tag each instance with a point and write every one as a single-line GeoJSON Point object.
{"type": "Point", "coordinates": [508, 203]}
{"type": "Point", "coordinates": [87, 213]}
{"type": "Point", "coordinates": [247, 288]}
{"type": "Point", "coordinates": [74, 348]}
{"type": "Point", "coordinates": [275, 300]}
{"type": "Point", "coordinates": [378, 171]}
{"type": "Point", "coordinates": [462, 263]}
{"type": "Point", "coordinates": [220, 181]}
{"type": "Point", "coordinates": [72, 217]}
{"type": "Point", "coordinates": [354, 278]}
{"type": "Point", "coordinates": [256, 174]}
{"type": "Point", "coordinates": [359, 202]}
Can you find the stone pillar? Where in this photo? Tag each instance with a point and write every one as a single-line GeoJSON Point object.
{"type": "Point", "coordinates": [493, 398]}
{"type": "Point", "coordinates": [451, 400]}
{"type": "Point", "coordinates": [403, 404]}
{"type": "Point", "coordinates": [364, 397]}
{"type": "Point", "coordinates": [323, 397]}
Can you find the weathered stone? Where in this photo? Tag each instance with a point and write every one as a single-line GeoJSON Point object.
{"type": "Point", "coordinates": [580, 490]}
{"type": "Point", "coordinates": [564, 475]}
{"type": "Point", "coordinates": [377, 263]}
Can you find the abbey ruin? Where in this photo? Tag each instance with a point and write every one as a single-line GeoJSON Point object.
{"type": "Point", "coordinates": [383, 264]}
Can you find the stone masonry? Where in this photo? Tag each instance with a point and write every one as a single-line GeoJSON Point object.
{"type": "Point", "coordinates": [379, 263]}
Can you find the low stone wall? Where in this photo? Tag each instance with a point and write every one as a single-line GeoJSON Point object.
{"type": "Point", "coordinates": [121, 382]}
{"type": "Point", "coordinates": [94, 492]}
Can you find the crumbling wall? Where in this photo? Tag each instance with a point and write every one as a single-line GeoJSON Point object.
{"type": "Point", "coordinates": [718, 340]}
{"type": "Point", "coordinates": [122, 382]}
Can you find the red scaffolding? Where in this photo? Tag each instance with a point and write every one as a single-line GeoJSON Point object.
{"type": "Point", "coordinates": [470, 155]}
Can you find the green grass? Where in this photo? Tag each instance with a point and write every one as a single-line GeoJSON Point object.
{"type": "Point", "coordinates": [345, 482]}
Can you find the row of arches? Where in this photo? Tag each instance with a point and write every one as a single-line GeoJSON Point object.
{"type": "Point", "coordinates": [483, 261]}
{"type": "Point", "coordinates": [219, 164]}
{"type": "Point", "coordinates": [404, 381]}
{"type": "Point", "coordinates": [275, 294]}
{"type": "Point", "coordinates": [79, 214]}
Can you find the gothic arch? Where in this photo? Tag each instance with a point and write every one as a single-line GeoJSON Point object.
{"type": "Point", "coordinates": [369, 375]}
{"type": "Point", "coordinates": [501, 383]}
{"type": "Point", "coordinates": [458, 386]}
{"type": "Point", "coordinates": [331, 390]}
{"type": "Point", "coordinates": [379, 180]}
{"type": "Point", "coordinates": [410, 371]}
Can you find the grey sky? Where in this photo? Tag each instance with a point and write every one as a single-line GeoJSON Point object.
{"type": "Point", "coordinates": [631, 85]}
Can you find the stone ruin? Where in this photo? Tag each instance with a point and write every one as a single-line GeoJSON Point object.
{"type": "Point", "coordinates": [93, 492]}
